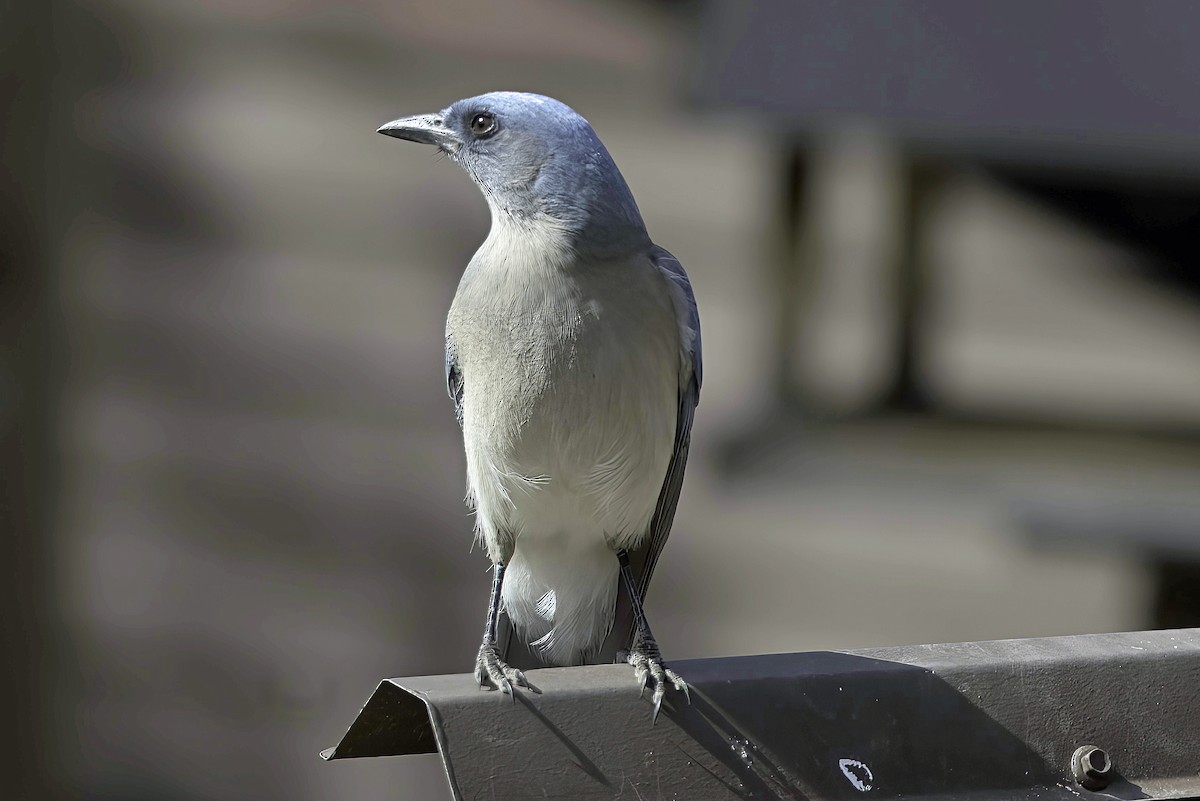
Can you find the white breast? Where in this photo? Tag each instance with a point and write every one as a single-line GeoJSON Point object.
{"type": "Point", "coordinates": [569, 409]}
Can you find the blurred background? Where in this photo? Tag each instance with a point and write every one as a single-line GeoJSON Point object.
{"type": "Point", "coordinates": [944, 259]}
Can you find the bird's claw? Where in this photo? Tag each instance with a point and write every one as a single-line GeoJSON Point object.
{"type": "Point", "coordinates": [649, 670]}
{"type": "Point", "coordinates": [489, 668]}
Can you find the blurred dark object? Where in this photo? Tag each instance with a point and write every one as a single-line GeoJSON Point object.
{"type": "Point", "coordinates": [1157, 215]}
{"type": "Point", "coordinates": [1087, 105]}
{"type": "Point", "coordinates": [25, 411]}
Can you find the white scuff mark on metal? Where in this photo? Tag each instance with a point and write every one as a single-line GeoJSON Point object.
{"type": "Point", "coordinates": [858, 773]}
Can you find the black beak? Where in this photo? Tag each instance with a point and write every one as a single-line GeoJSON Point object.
{"type": "Point", "coordinates": [428, 129]}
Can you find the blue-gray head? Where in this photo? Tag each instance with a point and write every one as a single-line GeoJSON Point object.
{"type": "Point", "coordinates": [535, 160]}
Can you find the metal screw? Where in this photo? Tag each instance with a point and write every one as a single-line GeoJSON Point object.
{"type": "Point", "coordinates": [1092, 767]}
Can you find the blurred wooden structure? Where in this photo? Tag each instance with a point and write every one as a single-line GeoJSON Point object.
{"type": "Point", "coordinates": [1086, 105]}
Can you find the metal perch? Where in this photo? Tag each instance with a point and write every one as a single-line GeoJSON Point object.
{"type": "Point", "coordinates": [1109, 715]}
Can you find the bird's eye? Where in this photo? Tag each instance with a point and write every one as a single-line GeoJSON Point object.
{"type": "Point", "coordinates": [483, 124]}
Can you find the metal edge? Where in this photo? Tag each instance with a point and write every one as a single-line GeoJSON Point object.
{"type": "Point", "coordinates": [439, 734]}
{"type": "Point", "coordinates": [394, 720]}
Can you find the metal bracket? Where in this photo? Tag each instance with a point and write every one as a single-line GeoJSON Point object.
{"type": "Point", "coordinates": [990, 719]}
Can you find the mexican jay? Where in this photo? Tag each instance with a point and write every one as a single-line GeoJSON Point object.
{"type": "Point", "coordinates": [573, 358]}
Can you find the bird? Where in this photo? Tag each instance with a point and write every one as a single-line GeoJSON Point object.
{"type": "Point", "coordinates": [573, 358]}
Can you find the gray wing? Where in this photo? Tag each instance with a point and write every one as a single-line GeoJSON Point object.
{"type": "Point", "coordinates": [645, 557]}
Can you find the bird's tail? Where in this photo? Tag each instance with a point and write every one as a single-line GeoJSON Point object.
{"type": "Point", "coordinates": [562, 607]}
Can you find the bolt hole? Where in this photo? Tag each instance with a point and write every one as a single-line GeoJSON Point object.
{"type": "Point", "coordinates": [1098, 761]}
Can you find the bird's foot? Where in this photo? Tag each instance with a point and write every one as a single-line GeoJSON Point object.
{"type": "Point", "coordinates": [489, 668]}
{"type": "Point", "coordinates": [649, 670]}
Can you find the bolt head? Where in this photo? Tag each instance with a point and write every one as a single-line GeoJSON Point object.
{"type": "Point", "coordinates": [1092, 767]}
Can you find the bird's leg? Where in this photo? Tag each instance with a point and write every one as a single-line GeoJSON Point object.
{"type": "Point", "coordinates": [648, 667]}
{"type": "Point", "coordinates": [488, 665]}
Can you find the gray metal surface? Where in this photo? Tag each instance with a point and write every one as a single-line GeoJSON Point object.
{"type": "Point", "coordinates": [991, 720]}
